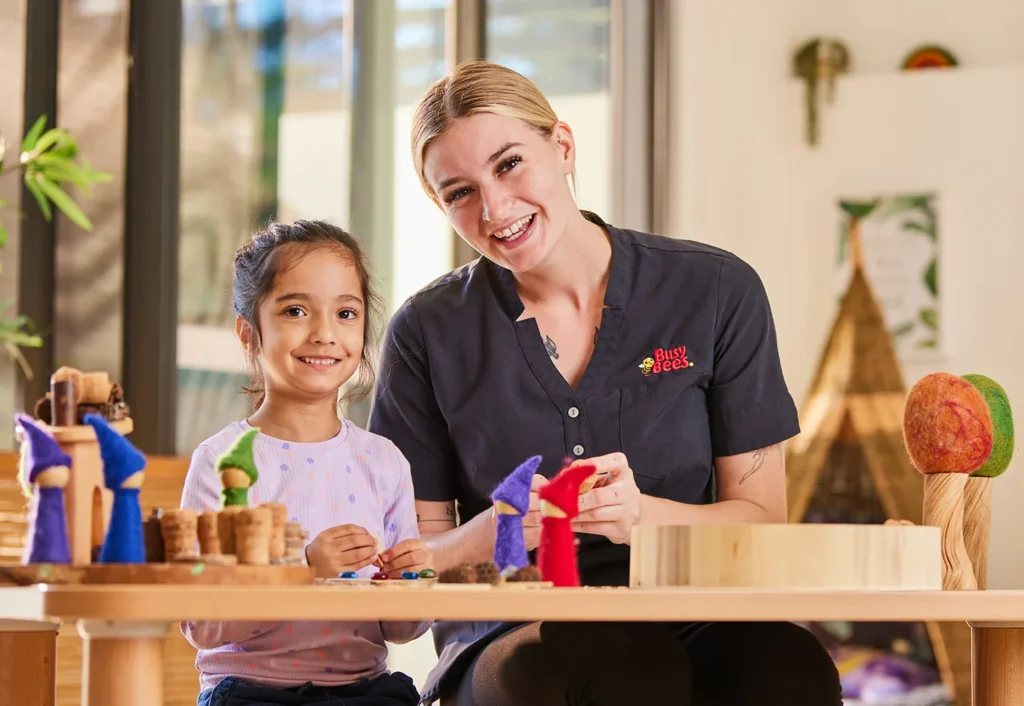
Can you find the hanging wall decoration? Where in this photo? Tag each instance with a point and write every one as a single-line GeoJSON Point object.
{"type": "Point", "coordinates": [930, 56]}
{"type": "Point", "coordinates": [821, 59]}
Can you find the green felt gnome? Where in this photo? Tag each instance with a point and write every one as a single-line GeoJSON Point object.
{"type": "Point", "coordinates": [237, 468]}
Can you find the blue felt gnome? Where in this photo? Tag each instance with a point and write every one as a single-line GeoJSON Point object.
{"type": "Point", "coordinates": [512, 501]}
{"type": "Point", "coordinates": [45, 466]}
{"type": "Point", "coordinates": [123, 466]}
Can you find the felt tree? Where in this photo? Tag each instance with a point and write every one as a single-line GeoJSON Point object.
{"type": "Point", "coordinates": [46, 467]}
{"type": "Point", "coordinates": [978, 492]}
{"type": "Point", "coordinates": [947, 429]}
{"type": "Point", "coordinates": [559, 504]}
{"type": "Point", "coordinates": [511, 502]}
{"type": "Point", "coordinates": [237, 468]}
{"type": "Point", "coordinates": [123, 474]}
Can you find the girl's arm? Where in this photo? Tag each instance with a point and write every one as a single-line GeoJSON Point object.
{"type": "Point", "coordinates": [202, 492]}
{"type": "Point", "coordinates": [401, 515]}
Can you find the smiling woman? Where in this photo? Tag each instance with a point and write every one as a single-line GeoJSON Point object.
{"type": "Point", "coordinates": [654, 359]}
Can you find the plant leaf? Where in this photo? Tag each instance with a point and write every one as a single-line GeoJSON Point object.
{"type": "Point", "coordinates": [930, 318]}
{"type": "Point", "coordinates": [33, 134]}
{"type": "Point", "coordinates": [930, 278]}
{"type": "Point", "coordinates": [33, 186]}
{"type": "Point", "coordinates": [902, 329]}
{"type": "Point", "coordinates": [919, 228]}
{"type": "Point", "coordinates": [858, 209]}
{"type": "Point", "coordinates": [16, 355]}
{"type": "Point", "coordinates": [65, 203]}
{"type": "Point", "coordinates": [3, 236]}
{"type": "Point", "coordinates": [49, 138]}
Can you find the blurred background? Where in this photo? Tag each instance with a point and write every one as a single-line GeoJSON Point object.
{"type": "Point", "coordinates": [693, 119]}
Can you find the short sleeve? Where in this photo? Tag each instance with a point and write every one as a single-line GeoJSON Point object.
{"type": "Point", "coordinates": [749, 402]}
{"type": "Point", "coordinates": [406, 412]}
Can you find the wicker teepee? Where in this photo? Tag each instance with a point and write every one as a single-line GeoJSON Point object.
{"type": "Point", "coordinates": [854, 411]}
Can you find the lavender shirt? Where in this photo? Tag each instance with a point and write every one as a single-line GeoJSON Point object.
{"type": "Point", "coordinates": [355, 478]}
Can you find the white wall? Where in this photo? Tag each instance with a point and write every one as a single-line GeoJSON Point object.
{"type": "Point", "coordinates": [747, 180]}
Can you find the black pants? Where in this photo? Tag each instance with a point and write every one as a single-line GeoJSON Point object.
{"type": "Point", "coordinates": [598, 664]}
{"type": "Point", "coordinates": [395, 689]}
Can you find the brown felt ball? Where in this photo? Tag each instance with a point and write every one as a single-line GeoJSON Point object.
{"type": "Point", "coordinates": [947, 427]}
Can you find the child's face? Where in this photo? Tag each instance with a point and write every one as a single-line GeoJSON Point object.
{"type": "Point", "coordinates": [311, 324]}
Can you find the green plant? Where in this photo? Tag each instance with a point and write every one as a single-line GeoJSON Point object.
{"type": "Point", "coordinates": [47, 162]}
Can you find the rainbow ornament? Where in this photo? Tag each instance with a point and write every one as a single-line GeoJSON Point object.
{"type": "Point", "coordinates": [929, 56]}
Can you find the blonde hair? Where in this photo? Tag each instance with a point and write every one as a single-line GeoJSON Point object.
{"type": "Point", "coordinates": [477, 87]}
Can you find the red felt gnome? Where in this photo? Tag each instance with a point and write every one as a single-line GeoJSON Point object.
{"type": "Point", "coordinates": [559, 504]}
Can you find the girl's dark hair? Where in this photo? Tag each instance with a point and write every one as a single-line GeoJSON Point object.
{"type": "Point", "coordinates": [257, 264]}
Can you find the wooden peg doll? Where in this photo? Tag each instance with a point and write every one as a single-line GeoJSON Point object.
{"type": "Point", "coordinates": [47, 467]}
{"type": "Point", "coordinates": [123, 474]}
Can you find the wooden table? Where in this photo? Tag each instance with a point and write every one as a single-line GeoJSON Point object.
{"type": "Point", "coordinates": [123, 625]}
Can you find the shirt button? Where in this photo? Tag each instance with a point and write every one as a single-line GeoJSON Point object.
{"type": "Point", "coordinates": [574, 412]}
{"type": "Point", "coordinates": [578, 450]}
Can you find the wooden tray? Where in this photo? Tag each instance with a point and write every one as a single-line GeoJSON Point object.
{"type": "Point", "coordinates": [811, 556]}
{"type": "Point", "coordinates": [40, 573]}
{"type": "Point", "coordinates": [198, 573]}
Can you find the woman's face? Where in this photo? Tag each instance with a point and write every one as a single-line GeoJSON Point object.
{"type": "Point", "coordinates": [503, 186]}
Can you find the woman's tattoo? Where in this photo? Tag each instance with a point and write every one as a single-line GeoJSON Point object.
{"type": "Point", "coordinates": [759, 456]}
{"type": "Point", "coordinates": [551, 348]}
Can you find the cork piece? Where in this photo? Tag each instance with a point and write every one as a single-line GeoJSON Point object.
{"type": "Point", "coordinates": [179, 527]}
{"type": "Point", "coordinates": [226, 528]}
{"type": "Point", "coordinates": [209, 537]}
{"type": "Point", "coordinates": [153, 537]}
{"type": "Point", "coordinates": [294, 541]}
{"type": "Point", "coordinates": [63, 407]}
{"type": "Point", "coordinates": [252, 535]}
{"type": "Point", "coordinates": [278, 520]}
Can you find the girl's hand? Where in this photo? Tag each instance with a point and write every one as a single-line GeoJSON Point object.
{"type": "Point", "coordinates": [613, 508]}
{"type": "Point", "coordinates": [341, 548]}
{"type": "Point", "coordinates": [407, 555]}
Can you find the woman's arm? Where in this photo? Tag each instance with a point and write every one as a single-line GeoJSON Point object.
{"type": "Point", "coordinates": [450, 543]}
{"type": "Point", "coordinates": [751, 488]}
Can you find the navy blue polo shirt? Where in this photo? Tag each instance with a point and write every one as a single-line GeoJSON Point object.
{"type": "Point", "coordinates": [685, 368]}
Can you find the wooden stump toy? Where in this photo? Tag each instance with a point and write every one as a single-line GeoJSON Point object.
{"type": "Point", "coordinates": [278, 519]}
{"type": "Point", "coordinates": [947, 429]}
{"type": "Point", "coordinates": [180, 529]}
{"type": "Point", "coordinates": [978, 491]}
{"type": "Point", "coordinates": [209, 534]}
{"type": "Point", "coordinates": [252, 535]}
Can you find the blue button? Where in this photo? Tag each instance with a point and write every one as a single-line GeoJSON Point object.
{"type": "Point", "coordinates": [410, 575]}
{"type": "Point", "coordinates": [348, 575]}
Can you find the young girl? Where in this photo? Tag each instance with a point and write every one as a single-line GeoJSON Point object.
{"type": "Point", "coordinates": [304, 306]}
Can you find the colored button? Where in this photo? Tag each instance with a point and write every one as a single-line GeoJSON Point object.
{"type": "Point", "coordinates": [410, 575]}
{"type": "Point", "coordinates": [578, 450]}
{"type": "Point", "coordinates": [574, 412]}
{"type": "Point", "coordinates": [379, 576]}
{"type": "Point", "coordinates": [428, 574]}
{"type": "Point", "coordinates": [348, 575]}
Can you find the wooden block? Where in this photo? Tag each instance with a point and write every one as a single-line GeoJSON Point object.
{"type": "Point", "coordinates": [198, 573]}
{"type": "Point", "coordinates": [811, 556]}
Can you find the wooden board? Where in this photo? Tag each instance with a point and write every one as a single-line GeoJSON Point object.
{"type": "Point", "coordinates": [40, 573]}
{"type": "Point", "coordinates": [246, 575]}
{"type": "Point", "coordinates": [796, 556]}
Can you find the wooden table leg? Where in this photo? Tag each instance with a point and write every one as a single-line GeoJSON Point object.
{"type": "Point", "coordinates": [28, 656]}
{"type": "Point", "coordinates": [122, 663]}
{"type": "Point", "coordinates": [997, 664]}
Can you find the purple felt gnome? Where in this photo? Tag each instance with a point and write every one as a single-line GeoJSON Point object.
{"type": "Point", "coordinates": [45, 466]}
{"type": "Point", "coordinates": [512, 501]}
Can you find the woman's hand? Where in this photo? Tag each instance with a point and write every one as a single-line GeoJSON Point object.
{"type": "Point", "coordinates": [341, 548]}
{"type": "Point", "coordinates": [407, 555]}
{"type": "Point", "coordinates": [612, 508]}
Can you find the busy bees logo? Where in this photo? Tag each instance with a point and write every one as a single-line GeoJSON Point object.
{"type": "Point", "coordinates": [665, 359]}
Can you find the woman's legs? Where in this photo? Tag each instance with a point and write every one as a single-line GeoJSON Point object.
{"type": "Point", "coordinates": [592, 664]}
{"type": "Point", "coordinates": [578, 664]}
{"type": "Point", "coordinates": [761, 664]}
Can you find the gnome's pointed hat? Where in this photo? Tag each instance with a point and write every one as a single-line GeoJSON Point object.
{"type": "Point", "coordinates": [515, 489]}
{"type": "Point", "coordinates": [564, 489]}
{"type": "Point", "coordinates": [120, 458]}
{"type": "Point", "coordinates": [240, 455]}
{"type": "Point", "coordinates": [40, 450]}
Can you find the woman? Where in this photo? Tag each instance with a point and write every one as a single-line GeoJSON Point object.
{"type": "Point", "coordinates": [654, 358]}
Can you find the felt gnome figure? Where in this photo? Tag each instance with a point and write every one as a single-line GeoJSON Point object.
{"type": "Point", "coordinates": [123, 474]}
{"type": "Point", "coordinates": [559, 504]}
{"type": "Point", "coordinates": [237, 468]}
{"type": "Point", "coordinates": [512, 501]}
{"type": "Point", "coordinates": [46, 467]}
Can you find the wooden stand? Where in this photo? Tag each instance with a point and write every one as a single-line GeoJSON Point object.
{"type": "Point", "coordinates": [86, 499]}
{"type": "Point", "coordinates": [978, 525]}
{"type": "Point", "coordinates": [825, 556]}
{"type": "Point", "coordinates": [123, 662]}
{"type": "Point", "coordinates": [998, 659]}
{"type": "Point", "coordinates": [199, 573]}
{"type": "Point", "coordinates": [943, 507]}
{"type": "Point", "coordinates": [28, 656]}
